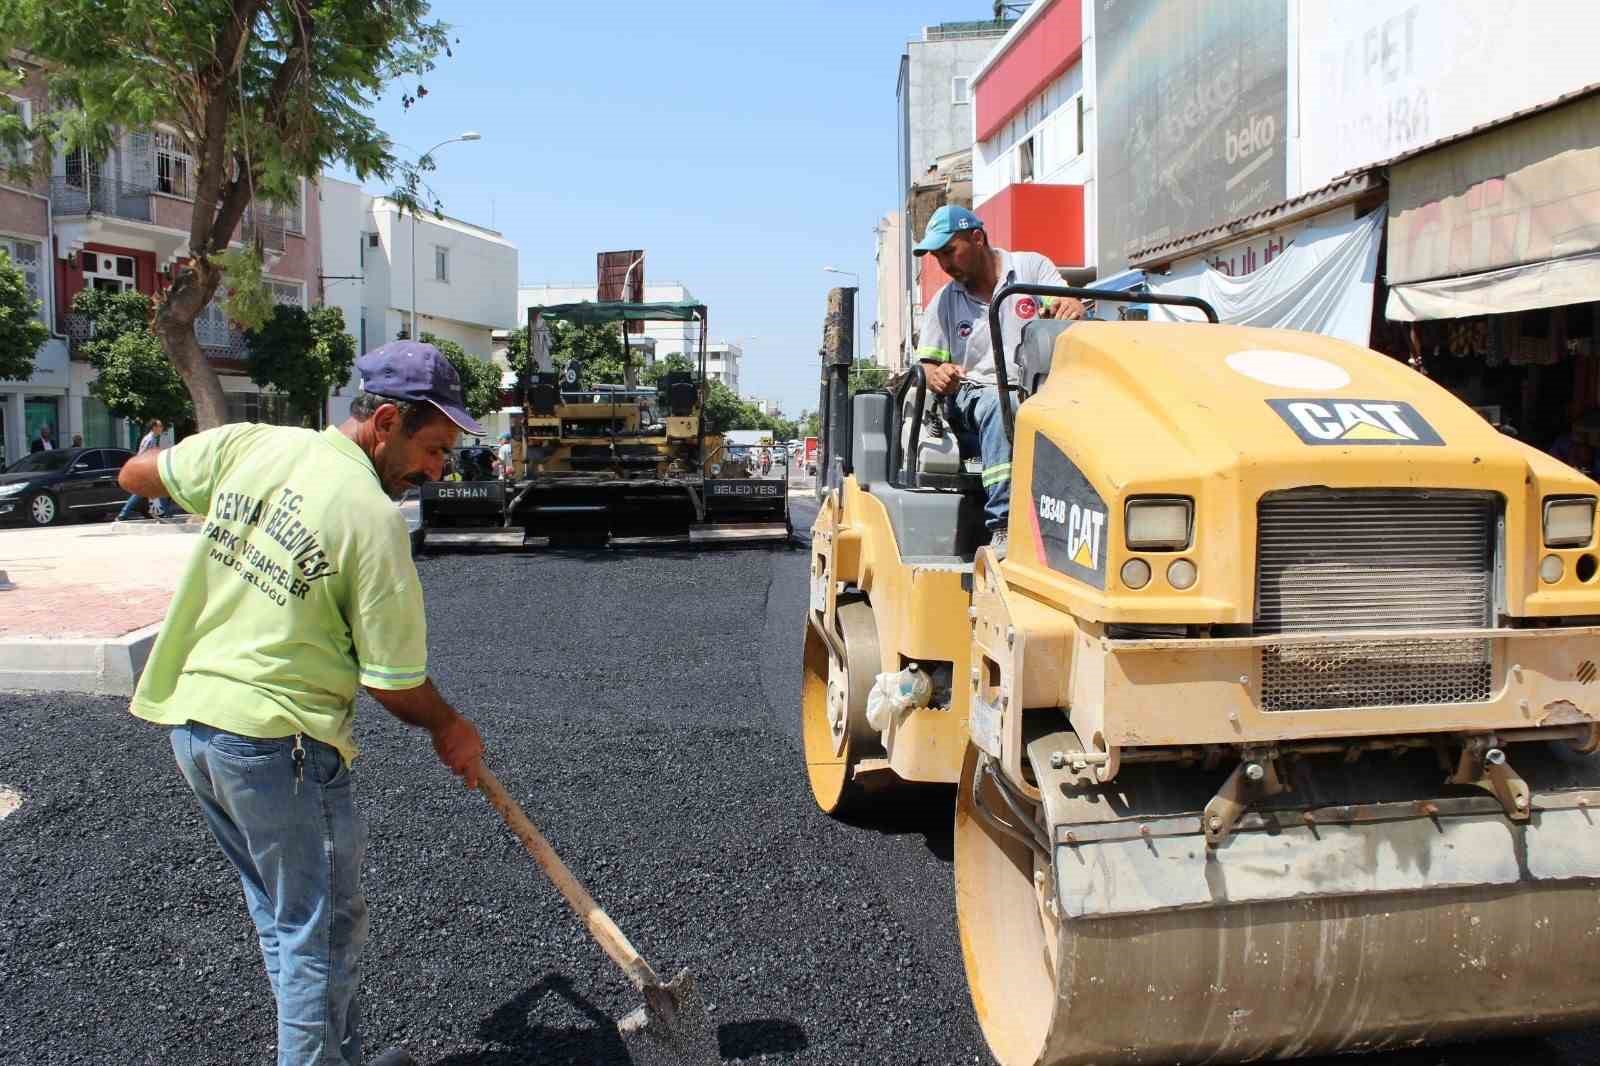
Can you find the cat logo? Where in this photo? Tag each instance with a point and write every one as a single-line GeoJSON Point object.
{"type": "Point", "coordinates": [1068, 520]}
{"type": "Point", "coordinates": [1356, 422]}
{"type": "Point", "coordinates": [1084, 532]}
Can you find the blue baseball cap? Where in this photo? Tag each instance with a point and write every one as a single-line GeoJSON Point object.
{"type": "Point", "coordinates": [946, 223]}
{"type": "Point", "coordinates": [416, 373]}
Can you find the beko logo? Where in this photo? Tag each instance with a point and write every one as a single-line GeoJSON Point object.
{"type": "Point", "coordinates": [1356, 422]}
{"type": "Point", "coordinates": [1085, 528]}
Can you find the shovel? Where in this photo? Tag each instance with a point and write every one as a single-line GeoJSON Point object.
{"type": "Point", "coordinates": [672, 1026]}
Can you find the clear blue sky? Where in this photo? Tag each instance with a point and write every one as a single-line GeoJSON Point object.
{"type": "Point", "coordinates": [744, 146]}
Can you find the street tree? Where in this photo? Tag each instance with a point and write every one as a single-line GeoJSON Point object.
{"type": "Point", "coordinates": [134, 378]}
{"type": "Point", "coordinates": [21, 330]}
{"type": "Point", "coordinates": [480, 378]}
{"type": "Point", "coordinates": [673, 363]}
{"type": "Point", "coordinates": [597, 349]}
{"type": "Point", "coordinates": [260, 93]}
{"type": "Point", "coordinates": [303, 354]}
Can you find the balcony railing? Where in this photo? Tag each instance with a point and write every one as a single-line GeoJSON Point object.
{"type": "Point", "coordinates": [216, 343]}
{"type": "Point", "coordinates": [89, 195]}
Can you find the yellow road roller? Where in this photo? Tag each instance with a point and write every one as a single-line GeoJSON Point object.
{"type": "Point", "coordinates": [1272, 732]}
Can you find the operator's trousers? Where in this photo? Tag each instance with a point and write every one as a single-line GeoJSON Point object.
{"type": "Point", "coordinates": [973, 412]}
{"type": "Point", "coordinates": [299, 852]}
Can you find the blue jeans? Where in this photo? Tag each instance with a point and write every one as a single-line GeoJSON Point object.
{"type": "Point", "coordinates": [158, 508]}
{"type": "Point", "coordinates": [299, 857]}
{"type": "Point", "coordinates": [973, 411]}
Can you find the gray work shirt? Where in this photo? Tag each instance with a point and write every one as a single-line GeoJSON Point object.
{"type": "Point", "coordinates": [955, 328]}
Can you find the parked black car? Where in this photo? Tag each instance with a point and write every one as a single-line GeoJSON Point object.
{"type": "Point", "coordinates": [56, 486]}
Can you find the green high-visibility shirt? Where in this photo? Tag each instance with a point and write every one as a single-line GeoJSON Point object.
{"type": "Point", "coordinates": [301, 588]}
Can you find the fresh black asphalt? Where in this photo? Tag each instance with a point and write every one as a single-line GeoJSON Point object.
{"type": "Point", "coordinates": [642, 708]}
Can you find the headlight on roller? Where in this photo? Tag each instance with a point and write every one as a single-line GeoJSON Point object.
{"type": "Point", "coordinates": [1159, 523]}
{"type": "Point", "coordinates": [1568, 521]}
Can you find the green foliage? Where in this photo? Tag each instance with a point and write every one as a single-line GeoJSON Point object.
{"type": "Point", "coordinates": [674, 363]}
{"type": "Point", "coordinates": [135, 379]}
{"type": "Point", "coordinates": [810, 425]}
{"type": "Point", "coordinates": [302, 354]}
{"type": "Point", "coordinates": [249, 304]}
{"type": "Point", "coordinates": [113, 314]}
{"type": "Point", "coordinates": [480, 378]}
{"type": "Point", "coordinates": [866, 377]}
{"type": "Point", "coordinates": [517, 352]}
{"type": "Point", "coordinates": [21, 332]}
{"type": "Point", "coordinates": [598, 349]}
{"type": "Point", "coordinates": [261, 94]}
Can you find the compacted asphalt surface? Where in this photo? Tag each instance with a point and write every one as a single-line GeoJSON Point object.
{"type": "Point", "coordinates": [643, 709]}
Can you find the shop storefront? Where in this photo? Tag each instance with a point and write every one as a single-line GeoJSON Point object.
{"type": "Point", "coordinates": [1493, 274]}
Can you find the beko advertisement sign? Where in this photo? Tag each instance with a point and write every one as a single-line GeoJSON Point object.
{"type": "Point", "coordinates": [1193, 116]}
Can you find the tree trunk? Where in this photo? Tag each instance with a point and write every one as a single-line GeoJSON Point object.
{"type": "Point", "coordinates": [192, 288]}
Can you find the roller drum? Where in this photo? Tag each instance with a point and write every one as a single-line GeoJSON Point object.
{"type": "Point", "coordinates": [1100, 954]}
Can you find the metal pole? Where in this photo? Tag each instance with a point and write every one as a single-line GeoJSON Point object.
{"type": "Point", "coordinates": [413, 333]}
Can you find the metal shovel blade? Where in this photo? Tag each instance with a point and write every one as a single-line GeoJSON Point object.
{"type": "Point", "coordinates": [672, 1028]}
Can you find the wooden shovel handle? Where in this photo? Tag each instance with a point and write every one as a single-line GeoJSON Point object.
{"type": "Point", "coordinates": [601, 927]}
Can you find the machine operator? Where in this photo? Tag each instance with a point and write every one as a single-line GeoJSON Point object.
{"type": "Point", "coordinates": [956, 349]}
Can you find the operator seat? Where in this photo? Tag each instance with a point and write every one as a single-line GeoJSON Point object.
{"type": "Point", "coordinates": [680, 393]}
{"type": "Point", "coordinates": [544, 395]}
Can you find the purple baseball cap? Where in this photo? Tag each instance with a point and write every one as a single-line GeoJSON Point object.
{"type": "Point", "coordinates": [417, 373]}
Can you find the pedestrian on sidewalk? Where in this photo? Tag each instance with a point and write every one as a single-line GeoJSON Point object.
{"type": "Point", "coordinates": [301, 590]}
{"type": "Point", "coordinates": [43, 442]}
{"type": "Point", "coordinates": [77, 440]}
{"type": "Point", "coordinates": [148, 443]}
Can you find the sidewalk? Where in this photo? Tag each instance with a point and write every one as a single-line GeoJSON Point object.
{"type": "Point", "coordinates": [87, 603]}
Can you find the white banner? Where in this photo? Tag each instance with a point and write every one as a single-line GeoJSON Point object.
{"type": "Point", "coordinates": [1320, 283]}
{"type": "Point", "coordinates": [1382, 77]}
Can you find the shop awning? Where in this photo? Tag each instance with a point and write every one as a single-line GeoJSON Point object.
{"type": "Point", "coordinates": [1552, 283]}
{"type": "Point", "coordinates": [1506, 220]}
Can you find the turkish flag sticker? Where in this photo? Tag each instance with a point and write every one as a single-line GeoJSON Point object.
{"type": "Point", "coordinates": [1026, 307]}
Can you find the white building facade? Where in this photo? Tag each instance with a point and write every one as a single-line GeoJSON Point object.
{"type": "Point", "coordinates": [385, 268]}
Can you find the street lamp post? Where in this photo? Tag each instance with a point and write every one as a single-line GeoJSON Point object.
{"type": "Point", "coordinates": [470, 135]}
{"type": "Point", "coordinates": [855, 340]}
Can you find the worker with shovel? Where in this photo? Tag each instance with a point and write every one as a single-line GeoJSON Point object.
{"type": "Point", "coordinates": [302, 588]}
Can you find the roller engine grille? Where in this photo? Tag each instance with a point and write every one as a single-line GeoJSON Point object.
{"type": "Point", "coordinates": [1379, 561]}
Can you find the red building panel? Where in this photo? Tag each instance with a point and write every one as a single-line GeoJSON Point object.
{"type": "Point", "coordinates": [1037, 218]}
{"type": "Point", "coordinates": [1047, 219]}
{"type": "Point", "coordinates": [1041, 51]}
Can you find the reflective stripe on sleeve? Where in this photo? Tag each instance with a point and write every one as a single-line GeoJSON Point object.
{"type": "Point", "coordinates": [993, 475]}
{"type": "Point", "coordinates": [394, 678]}
{"type": "Point", "coordinates": [936, 355]}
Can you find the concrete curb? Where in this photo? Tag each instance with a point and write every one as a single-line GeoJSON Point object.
{"type": "Point", "coordinates": [100, 666]}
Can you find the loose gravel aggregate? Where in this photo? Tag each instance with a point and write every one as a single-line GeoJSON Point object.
{"type": "Point", "coordinates": [642, 709]}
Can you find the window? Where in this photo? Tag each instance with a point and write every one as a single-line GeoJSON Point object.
{"type": "Point", "coordinates": [1025, 159]}
{"type": "Point", "coordinates": [24, 153]}
{"type": "Point", "coordinates": [441, 263]}
{"type": "Point", "coordinates": [108, 273]}
{"type": "Point", "coordinates": [25, 257]}
{"type": "Point", "coordinates": [289, 293]}
{"type": "Point", "coordinates": [267, 407]}
{"type": "Point", "coordinates": [174, 165]}
{"type": "Point", "coordinates": [77, 168]}
{"type": "Point", "coordinates": [361, 253]}
{"type": "Point", "coordinates": [1080, 123]}
{"type": "Point", "coordinates": [363, 348]}
{"type": "Point", "coordinates": [211, 325]}
{"type": "Point", "coordinates": [960, 93]}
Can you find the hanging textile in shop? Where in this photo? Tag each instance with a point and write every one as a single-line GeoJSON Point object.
{"type": "Point", "coordinates": [1321, 283]}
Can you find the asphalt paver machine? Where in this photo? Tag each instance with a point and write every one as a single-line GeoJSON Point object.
{"type": "Point", "coordinates": [1273, 733]}
{"type": "Point", "coordinates": [611, 464]}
